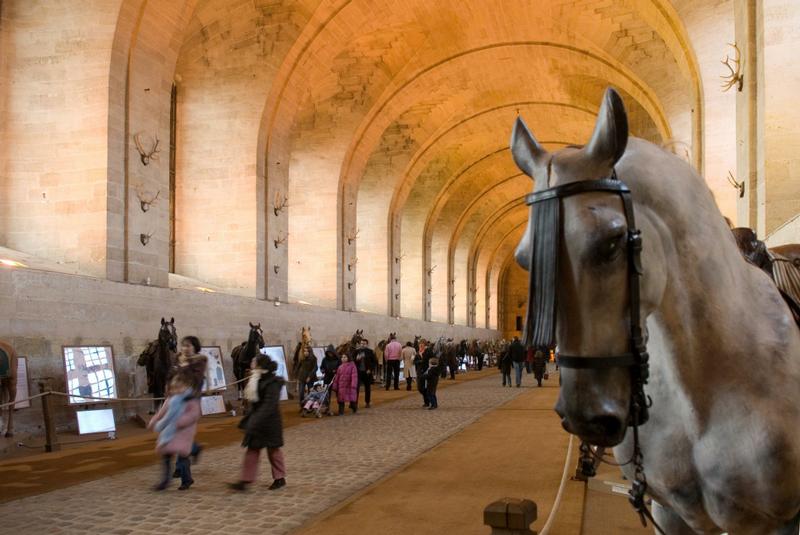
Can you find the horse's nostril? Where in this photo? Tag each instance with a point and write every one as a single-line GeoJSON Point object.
{"type": "Point", "coordinates": [608, 425]}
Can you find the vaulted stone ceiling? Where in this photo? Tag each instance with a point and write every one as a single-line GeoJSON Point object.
{"type": "Point", "coordinates": [387, 123]}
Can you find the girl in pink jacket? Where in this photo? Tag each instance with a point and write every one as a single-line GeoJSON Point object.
{"type": "Point", "coordinates": [345, 384]}
{"type": "Point", "coordinates": [176, 424]}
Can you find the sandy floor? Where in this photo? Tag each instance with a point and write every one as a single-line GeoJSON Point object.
{"type": "Point", "coordinates": [515, 451]}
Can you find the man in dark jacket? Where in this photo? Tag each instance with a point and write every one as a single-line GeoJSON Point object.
{"type": "Point", "coordinates": [431, 382]}
{"type": "Point", "coordinates": [518, 354]}
{"type": "Point", "coordinates": [505, 363]}
{"type": "Point", "coordinates": [421, 365]}
{"type": "Point", "coordinates": [329, 363]}
{"type": "Point", "coordinates": [366, 364]}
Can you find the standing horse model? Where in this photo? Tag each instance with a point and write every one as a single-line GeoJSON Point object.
{"type": "Point", "coordinates": [305, 341]}
{"type": "Point", "coordinates": [243, 354]}
{"type": "Point", "coordinates": [8, 383]}
{"type": "Point", "coordinates": [716, 437]}
{"type": "Point", "coordinates": [349, 348]}
{"type": "Point", "coordinates": [158, 359]}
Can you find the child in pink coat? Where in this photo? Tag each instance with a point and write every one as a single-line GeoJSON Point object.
{"type": "Point", "coordinates": [345, 384]}
{"type": "Point", "coordinates": [176, 424]}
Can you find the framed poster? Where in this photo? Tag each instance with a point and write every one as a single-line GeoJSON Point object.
{"type": "Point", "coordinates": [278, 355]}
{"type": "Point", "coordinates": [215, 373]}
{"type": "Point", "coordinates": [90, 373]}
{"type": "Point", "coordinates": [211, 405]}
{"type": "Point", "coordinates": [96, 421]}
{"type": "Point", "coordinates": [23, 390]}
{"type": "Point", "coordinates": [319, 352]}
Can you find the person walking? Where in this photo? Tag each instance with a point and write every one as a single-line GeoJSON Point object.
{"type": "Point", "coordinates": [176, 425]}
{"type": "Point", "coordinates": [431, 383]}
{"type": "Point", "coordinates": [393, 354]}
{"type": "Point", "coordinates": [410, 372]}
{"type": "Point", "coordinates": [518, 355]}
{"type": "Point", "coordinates": [345, 384]}
{"type": "Point", "coordinates": [329, 364]}
{"type": "Point", "coordinates": [366, 363]}
{"type": "Point", "coordinates": [306, 373]}
{"type": "Point", "coordinates": [420, 367]}
{"type": "Point", "coordinates": [262, 424]}
{"type": "Point", "coordinates": [505, 363]}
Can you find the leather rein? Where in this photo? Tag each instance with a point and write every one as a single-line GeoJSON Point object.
{"type": "Point", "coordinates": [540, 324]}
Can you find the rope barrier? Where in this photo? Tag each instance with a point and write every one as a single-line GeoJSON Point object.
{"type": "Point", "coordinates": [108, 400]}
{"type": "Point", "coordinates": [557, 502]}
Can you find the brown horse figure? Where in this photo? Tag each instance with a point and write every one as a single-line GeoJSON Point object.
{"type": "Point", "coordinates": [781, 263]}
{"type": "Point", "coordinates": [349, 348]}
{"type": "Point", "coordinates": [720, 449]}
{"type": "Point", "coordinates": [8, 383]}
{"type": "Point", "coordinates": [243, 354]}
{"type": "Point", "coordinates": [158, 359]}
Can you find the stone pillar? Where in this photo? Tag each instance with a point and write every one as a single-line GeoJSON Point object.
{"type": "Point", "coordinates": [749, 119]}
{"type": "Point", "coordinates": [510, 516]}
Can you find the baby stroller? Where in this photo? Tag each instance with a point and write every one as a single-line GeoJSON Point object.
{"type": "Point", "coordinates": [317, 400]}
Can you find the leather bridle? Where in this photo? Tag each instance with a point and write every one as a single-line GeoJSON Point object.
{"type": "Point", "coordinates": [541, 315]}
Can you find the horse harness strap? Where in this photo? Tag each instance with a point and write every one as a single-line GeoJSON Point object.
{"type": "Point", "coordinates": [541, 315]}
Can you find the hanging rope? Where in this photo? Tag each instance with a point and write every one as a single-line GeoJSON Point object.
{"type": "Point", "coordinates": [557, 502]}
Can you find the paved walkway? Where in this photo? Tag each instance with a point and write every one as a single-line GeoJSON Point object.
{"type": "Point", "coordinates": [327, 462]}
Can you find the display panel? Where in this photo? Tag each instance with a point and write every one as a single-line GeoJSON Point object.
{"type": "Point", "coordinates": [23, 392]}
{"type": "Point", "coordinates": [212, 405]}
{"type": "Point", "coordinates": [215, 373]}
{"type": "Point", "coordinates": [278, 355]}
{"type": "Point", "coordinates": [319, 352]}
{"type": "Point", "coordinates": [96, 421]}
{"type": "Point", "coordinates": [89, 373]}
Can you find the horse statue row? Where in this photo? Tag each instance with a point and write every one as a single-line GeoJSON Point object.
{"type": "Point", "coordinates": [8, 384]}
{"type": "Point", "coordinates": [674, 351]}
{"type": "Point", "coordinates": [158, 359]}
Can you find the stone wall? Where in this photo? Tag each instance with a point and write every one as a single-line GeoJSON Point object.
{"type": "Point", "coordinates": [42, 311]}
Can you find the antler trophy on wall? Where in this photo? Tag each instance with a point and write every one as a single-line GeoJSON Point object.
{"type": "Point", "coordinates": [280, 203]}
{"type": "Point", "coordinates": [146, 201]}
{"type": "Point", "coordinates": [735, 77]}
{"type": "Point", "coordinates": [146, 155]}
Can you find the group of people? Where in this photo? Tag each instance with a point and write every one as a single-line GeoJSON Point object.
{"type": "Point", "coordinates": [516, 356]}
{"type": "Point", "coordinates": [348, 372]}
{"type": "Point", "coordinates": [176, 420]}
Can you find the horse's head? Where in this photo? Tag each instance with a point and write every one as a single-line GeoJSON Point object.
{"type": "Point", "coordinates": [167, 335]}
{"type": "Point", "coordinates": [752, 248]}
{"type": "Point", "coordinates": [256, 336]}
{"type": "Point", "coordinates": [357, 337]}
{"type": "Point", "coordinates": [585, 272]}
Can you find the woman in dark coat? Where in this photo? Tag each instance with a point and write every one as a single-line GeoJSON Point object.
{"type": "Point", "coordinates": [262, 424]}
{"type": "Point", "coordinates": [329, 364]}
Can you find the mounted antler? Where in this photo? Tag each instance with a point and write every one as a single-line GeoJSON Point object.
{"type": "Point", "coordinates": [144, 202]}
{"type": "Point", "coordinates": [432, 269]}
{"type": "Point", "coordinates": [735, 78]}
{"type": "Point", "coordinates": [145, 238]}
{"type": "Point", "coordinates": [353, 263]}
{"type": "Point", "coordinates": [280, 203]}
{"type": "Point", "coordinates": [144, 154]}
{"type": "Point", "coordinates": [351, 284]}
{"type": "Point", "coordinates": [353, 236]}
{"type": "Point", "coordinates": [281, 239]}
{"type": "Point", "coordinates": [736, 184]}
{"type": "Point", "coordinates": [398, 259]}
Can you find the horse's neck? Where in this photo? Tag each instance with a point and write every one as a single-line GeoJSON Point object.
{"type": "Point", "coordinates": [721, 326]}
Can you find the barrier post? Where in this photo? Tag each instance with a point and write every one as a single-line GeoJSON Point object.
{"type": "Point", "coordinates": [510, 516]}
{"type": "Point", "coordinates": [51, 439]}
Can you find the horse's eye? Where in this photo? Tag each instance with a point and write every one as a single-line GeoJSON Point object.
{"type": "Point", "coordinates": [609, 249]}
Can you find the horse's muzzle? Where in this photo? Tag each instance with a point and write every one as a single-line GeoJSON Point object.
{"type": "Point", "coordinates": [602, 428]}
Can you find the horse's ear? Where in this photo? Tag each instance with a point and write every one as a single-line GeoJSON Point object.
{"type": "Point", "coordinates": [610, 136]}
{"type": "Point", "coordinates": [172, 320]}
{"type": "Point", "coordinates": [162, 321]}
{"type": "Point", "coordinates": [251, 324]}
{"type": "Point", "coordinates": [527, 153]}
